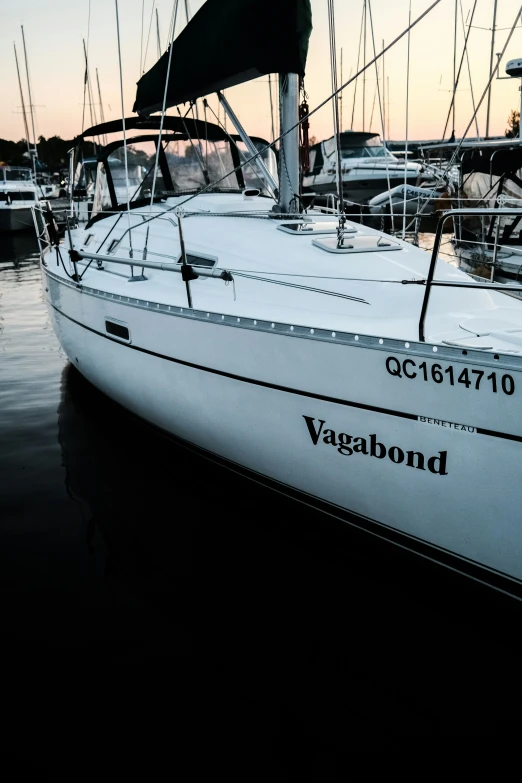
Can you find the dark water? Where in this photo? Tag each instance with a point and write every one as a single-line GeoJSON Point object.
{"type": "Point", "coordinates": [296, 640]}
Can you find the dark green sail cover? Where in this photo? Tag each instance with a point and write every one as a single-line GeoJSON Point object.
{"type": "Point", "coordinates": [226, 43]}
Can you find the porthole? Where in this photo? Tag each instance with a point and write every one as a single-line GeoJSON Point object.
{"type": "Point", "coordinates": [117, 329]}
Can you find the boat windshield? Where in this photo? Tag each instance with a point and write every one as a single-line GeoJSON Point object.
{"type": "Point", "coordinates": [184, 166]}
{"type": "Point", "coordinates": [18, 175]}
{"type": "Point", "coordinates": [194, 164]}
{"type": "Point", "coordinates": [365, 152]}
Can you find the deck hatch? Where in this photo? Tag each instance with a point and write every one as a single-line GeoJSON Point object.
{"type": "Point", "coordinates": [360, 244]}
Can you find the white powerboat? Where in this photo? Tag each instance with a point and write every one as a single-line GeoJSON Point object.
{"type": "Point", "coordinates": [322, 357]}
{"type": "Point", "coordinates": [18, 195]}
{"type": "Point", "coordinates": [368, 168]}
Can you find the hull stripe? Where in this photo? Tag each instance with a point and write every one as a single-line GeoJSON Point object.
{"type": "Point", "coordinates": [275, 386]}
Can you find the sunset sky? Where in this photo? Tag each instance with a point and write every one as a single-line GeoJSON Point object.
{"type": "Point", "coordinates": [54, 30]}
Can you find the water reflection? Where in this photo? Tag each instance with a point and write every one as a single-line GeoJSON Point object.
{"type": "Point", "coordinates": [16, 246]}
{"type": "Point", "coordinates": [131, 494]}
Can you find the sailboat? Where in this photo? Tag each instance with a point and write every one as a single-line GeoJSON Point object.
{"type": "Point", "coordinates": [329, 360]}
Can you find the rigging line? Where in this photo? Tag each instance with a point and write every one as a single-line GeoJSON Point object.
{"type": "Point", "coordinates": [467, 60]}
{"type": "Point", "coordinates": [148, 37]}
{"type": "Point", "coordinates": [326, 100]}
{"type": "Point", "coordinates": [302, 287]}
{"type": "Point", "coordinates": [373, 106]}
{"type": "Point", "coordinates": [453, 158]}
{"type": "Point", "coordinates": [454, 100]}
{"type": "Point", "coordinates": [123, 124]}
{"type": "Point", "coordinates": [158, 145]}
{"type": "Point", "coordinates": [492, 76]}
{"type": "Point", "coordinates": [382, 116]}
{"type": "Point", "coordinates": [324, 277]}
{"type": "Point", "coordinates": [407, 128]}
{"type": "Point", "coordinates": [364, 59]}
{"type": "Point", "coordinates": [260, 152]}
{"type": "Point", "coordinates": [141, 37]}
{"type": "Point", "coordinates": [232, 141]}
{"type": "Point", "coordinates": [358, 61]}
{"type": "Point", "coordinates": [457, 77]}
{"type": "Point", "coordinates": [158, 39]}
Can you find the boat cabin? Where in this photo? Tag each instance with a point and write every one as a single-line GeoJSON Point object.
{"type": "Point", "coordinates": [354, 145]}
{"type": "Point", "coordinates": [16, 184]}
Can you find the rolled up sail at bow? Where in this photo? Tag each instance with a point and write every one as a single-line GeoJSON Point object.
{"type": "Point", "coordinates": [226, 43]}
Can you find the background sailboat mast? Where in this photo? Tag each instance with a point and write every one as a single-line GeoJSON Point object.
{"type": "Point", "coordinates": [491, 65]}
{"type": "Point", "coordinates": [26, 127]}
{"type": "Point", "coordinates": [102, 113]}
{"type": "Point", "coordinates": [35, 151]}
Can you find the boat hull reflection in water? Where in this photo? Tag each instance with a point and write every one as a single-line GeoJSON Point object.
{"type": "Point", "coordinates": [123, 476]}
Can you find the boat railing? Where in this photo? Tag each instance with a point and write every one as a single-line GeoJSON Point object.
{"type": "Point", "coordinates": [430, 282]}
{"type": "Point", "coordinates": [41, 227]}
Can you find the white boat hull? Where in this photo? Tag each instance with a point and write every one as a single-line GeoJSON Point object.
{"type": "Point", "coordinates": [16, 219]}
{"type": "Point", "coordinates": [336, 419]}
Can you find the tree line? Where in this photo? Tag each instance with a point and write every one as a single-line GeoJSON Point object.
{"type": "Point", "coordinates": [53, 152]}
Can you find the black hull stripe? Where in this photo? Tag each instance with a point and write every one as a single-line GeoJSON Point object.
{"type": "Point", "coordinates": [275, 386]}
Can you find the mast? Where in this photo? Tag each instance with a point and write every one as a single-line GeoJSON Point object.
{"type": "Point", "coordinates": [26, 127]}
{"type": "Point", "coordinates": [335, 102]}
{"type": "Point", "coordinates": [289, 148]}
{"type": "Point", "coordinates": [491, 65]}
{"type": "Point", "coordinates": [35, 151]}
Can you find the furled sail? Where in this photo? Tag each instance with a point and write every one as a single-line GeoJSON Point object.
{"type": "Point", "coordinates": [226, 43]}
